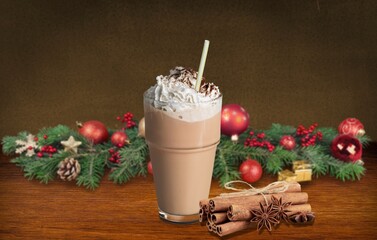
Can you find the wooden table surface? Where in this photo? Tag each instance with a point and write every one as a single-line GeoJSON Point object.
{"type": "Point", "coordinates": [60, 210]}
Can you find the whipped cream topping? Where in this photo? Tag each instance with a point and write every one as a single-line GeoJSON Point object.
{"type": "Point", "coordinates": [174, 90]}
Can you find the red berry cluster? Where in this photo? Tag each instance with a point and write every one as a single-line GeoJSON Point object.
{"type": "Point", "coordinates": [307, 136]}
{"type": "Point", "coordinates": [258, 141]}
{"type": "Point", "coordinates": [127, 120]}
{"type": "Point", "coordinates": [48, 150]}
{"type": "Point", "coordinates": [115, 156]}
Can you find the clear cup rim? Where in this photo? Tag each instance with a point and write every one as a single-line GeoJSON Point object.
{"type": "Point", "coordinates": [174, 102]}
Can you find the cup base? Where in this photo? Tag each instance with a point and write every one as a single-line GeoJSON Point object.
{"type": "Point", "coordinates": [178, 218]}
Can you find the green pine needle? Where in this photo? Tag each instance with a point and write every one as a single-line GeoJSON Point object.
{"type": "Point", "coordinates": [22, 161]}
{"type": "Point", "coordinates": [277, 131]}
{"type": "Point", "coordinates": [364, 140]}
{"type": "Point", "coordinates": [133, 159]}
{"type": "Point", "coordinates": [328, 134]}
{"type": "Point", "coordinates": [274, 164]}
{"type": "Point", "coordinates": [92, 170]}
{"type": "Point", "coordinates": [43, 169]}
{"type": "Point", "coordinates": [345, 171]}
{"type": "Point", "coordinates": [315, 155]}
{"type": "Point", "coordinates": [9, 142]}
{"type": "Point", "coordinates": [225, 167]}
{"type": "Point", "coordinates": [278, 159]}
{"type": "Point", "coordinates": [54, 135]}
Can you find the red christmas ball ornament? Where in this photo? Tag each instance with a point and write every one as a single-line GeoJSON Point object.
{"type": "Point", "coordinates": [94, 131]}
{"type": "Point", "coordinates": [351, 126]}
{"type": "Point", "coordinates": [119, 139]}
{"type": "Point", "coordinates": [234, 120]}
{"type": "Point", "coordinates": [149, 167]}
{"type": "Point", "coordinates": [288, 142]}
{"type": "Point", "coordinates": [250, 170]}
{"type": "Point", "coordinates": [346, 148]}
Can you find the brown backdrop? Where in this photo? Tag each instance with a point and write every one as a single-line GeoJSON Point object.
{"type": "Point", "coordinates": [285, 61]}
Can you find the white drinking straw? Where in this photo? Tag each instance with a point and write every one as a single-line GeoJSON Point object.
{"type": "Point", "coordinates": [202, 64]}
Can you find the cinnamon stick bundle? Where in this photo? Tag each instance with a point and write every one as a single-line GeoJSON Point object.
{"type": "Point", "coordinates": [222, 204]}
{"type": "Point", "coordinates": [230, 213]}
{"type": "Point", "coordinates": [241, 213]}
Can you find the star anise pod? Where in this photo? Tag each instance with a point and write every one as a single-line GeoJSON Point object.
{"type": "Point", "coordinates": [302, 218]}
{"type": "Point", "coordinates": [281, 208]}
{"type": "Point", "coordinates": [265, 216]}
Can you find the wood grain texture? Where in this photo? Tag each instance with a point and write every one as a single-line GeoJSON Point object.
{"type": "Point", "coordinates": [59, 210]}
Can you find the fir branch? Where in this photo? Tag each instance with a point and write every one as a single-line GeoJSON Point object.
{"type": "Point", "coordinates": [260, 154]}
{"type": "Point", "coordinates": [323, 163]}
{"type": "Point", "coordinates": [230, 155]}
{"type": "Point", "coordinates": [225, 168]}
{"type": "Point", "coordinates": [274, 164]}
{"type": "Point", "coordinates": [315, 155]}
{"type": "Point", "coordinates": [103, 147]}
{"type": "Point", "coordinates": [240, 152]}
{"type": "Point", "coordinates": [132, 133]}
{"type": "Point", "coordinates": [9, 142]}
{"type": "Point", "coordinates": [278, 159]}
{"type": "Point", "coordinates": [133, 161]}
{"type": "Point", "coordinates": [364, 140]}
{"type": "Point", "coordinates": [123, 173]}
{"type": "Point", "coordinates": [328, 134]}
{"type": "Point", "coordinates": [345, 171]}
{"type": "Point", "coordinates": [93, 161]}
{"type": "Point", "coordinates": [136, 152]}
{"type": "Point", "coordinates": [276, 131]}
{"type": "Point", "coordinates": [54, 135]}
{"type": "Point", "coordinates": [92, 169]}
{"type": "Point", "coordinates": [22, 161]}
{"type": "Point", "coordinates": [43, 169]}
{"type": "Point", "coordinates": [242, 137]}
{"type": "Point", "coordinates": [286, 156]}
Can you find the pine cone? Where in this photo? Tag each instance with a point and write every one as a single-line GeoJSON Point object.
{"type": "Point", "coordinates": [69, 169]}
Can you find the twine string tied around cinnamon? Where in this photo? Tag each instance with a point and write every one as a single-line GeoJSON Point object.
{"type": "Point", "coordinates": [275, 187]}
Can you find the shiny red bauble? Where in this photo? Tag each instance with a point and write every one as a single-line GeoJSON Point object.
{"type": "Point", "coordinates": [234, 119]}
{"type": "Point", "coordinates": [346, 148]}
{"type": "Point", "coordinates": [250, 171]}
{"type": "Point", "coordinates": [149, 167]}
{"type": "Point", "coordinates": [119, 139]}
{"type": "Point", "coordinates": [94, 131]}
{"type": "Point", "coordinates": [351, 126]}
{"type": "Point", "coordinates": [287, 142]}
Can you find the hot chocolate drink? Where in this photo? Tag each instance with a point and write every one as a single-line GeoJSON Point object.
{"type": "Point", "coordinates": [182, 130]}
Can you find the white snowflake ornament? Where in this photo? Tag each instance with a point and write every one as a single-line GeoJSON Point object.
{"type": "Point", "coordinates": [29, 145]}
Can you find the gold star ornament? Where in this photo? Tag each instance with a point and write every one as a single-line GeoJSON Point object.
{"type": "Point", "coordinates": [71, 144]}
